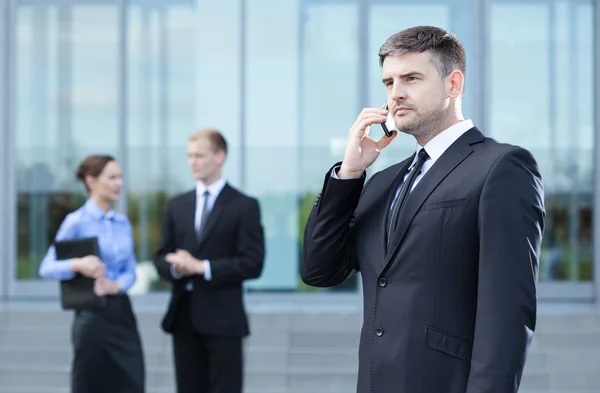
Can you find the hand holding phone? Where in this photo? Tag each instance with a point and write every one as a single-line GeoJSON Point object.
{"type": "Point", "coordinates": [361, 149]}
{"type": "Point", "coordinates": [386, 130]}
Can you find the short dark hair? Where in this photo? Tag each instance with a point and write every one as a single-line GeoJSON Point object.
{"type": "Point", "coordinates": [217, 140]}
{"type": "Point", "coordinates": [92, 166]}
{"type": "Point", "coordinates": [446, 49]}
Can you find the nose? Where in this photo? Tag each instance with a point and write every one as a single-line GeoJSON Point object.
{"type": "Point", "coordinates": [398, 92]}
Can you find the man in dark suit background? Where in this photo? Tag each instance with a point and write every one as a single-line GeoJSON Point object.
{"type": "Point", "coordinates": [212, 240]}
{"type": "Point", "coordinates": [447, 241]}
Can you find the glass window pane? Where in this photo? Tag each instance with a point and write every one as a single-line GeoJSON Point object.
{"type": "Point", "coordinates": [271, 134]}
{"type": "Point", "coordinates": [541, 97]}
{"type": "Point", "coordinates": [5, 230]}
{"type": "Point", "coordinates": [329, 87]}
{"type": "Point", "coordinates": [183, 75]}
{"type": "Point", "coordinates": [65, 108]}
{"type": "Point", "coordinates": [329, 103]}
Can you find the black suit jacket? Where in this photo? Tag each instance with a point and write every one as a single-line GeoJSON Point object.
{"type": "Point", "coordinates": [450, 304]}
{"type": "Point", "coordinates": [232, 240]}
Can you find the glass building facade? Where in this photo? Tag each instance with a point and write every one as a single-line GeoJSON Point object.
{"type": "Point", "coordinates": [283, 80]}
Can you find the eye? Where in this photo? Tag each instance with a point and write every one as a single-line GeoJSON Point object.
{"type": "Point", "coordinates": [412, 79]}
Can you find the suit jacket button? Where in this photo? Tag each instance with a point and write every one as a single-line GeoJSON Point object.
{"type": "Point", "coordinates": [379, 332]}
{"type": "Point", "coordinates": [382, 282]}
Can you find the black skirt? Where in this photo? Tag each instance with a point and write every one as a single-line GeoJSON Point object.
{"type": "Point", "coordinates": [107, 349]}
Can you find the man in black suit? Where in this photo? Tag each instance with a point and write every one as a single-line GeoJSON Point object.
{"type": "Point", "coordinates": [447, 241]}
{"type": "Point", "coordinates": [212, 240]}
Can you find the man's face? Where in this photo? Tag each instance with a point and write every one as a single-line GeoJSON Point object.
{"type": "Point", "coordinates": [416, 94]}
{"type": "Point", "coordinates": [205, 163]}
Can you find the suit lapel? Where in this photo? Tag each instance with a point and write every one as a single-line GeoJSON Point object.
{"type": "Point", "coordinates": [214, 214]}
{"type": "Point", "coordinates": [189, 205]}
{"type": "Point", "coordinates": [393, 179]}
{"type": "Point", "coordinates": [448, 161]}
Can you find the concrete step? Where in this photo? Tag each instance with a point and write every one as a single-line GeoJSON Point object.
{"type": "Point", "coordinates": [584, 359]}
{"type": "Point", "coordinates": [561, 381]}
{"type": "Point", "coordinates": [36, 337]}
{"type": "Point", "coordinates": [287, 353]}
{"type": "Point", "coordinates": [304, 322]}
{"type": "Point", "coordinates": [322, 322]}
{"type": "Point", "coordinates": [150, 389]}
{"type": "Point", "coordinates": [579, 323]}
{"type": "Point", "coordinates": [263, 390]}
{"type": "Point", "coordinates": [525, 390]}
{"type": "Point", "coordinates": [565, 339]}
{"type": "Point", "coordinates": [256, 357]}
{"type": "Point", "coordinates": [282, 378]}
{"type": "Point", "coordinates": [563, 360]}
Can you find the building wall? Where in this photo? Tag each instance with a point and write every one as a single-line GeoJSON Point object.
{"type": "Point", "coordinates": [283, 80]}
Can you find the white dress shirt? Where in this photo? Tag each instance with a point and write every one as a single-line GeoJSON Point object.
{"type": "Point", "coordinates": [214, 189]}
{"type": "Point", "coordinates": [434, 148]}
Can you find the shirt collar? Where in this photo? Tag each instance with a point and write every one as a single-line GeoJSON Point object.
{"type": "Point", "coordinates": [442, 141]}
{"type": "Point", "coordinates": [96, 212]}
{"type": "Point", "coordinates": [214, 188]}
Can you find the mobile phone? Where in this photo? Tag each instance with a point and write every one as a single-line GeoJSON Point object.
{"type": "Point", "coordinates": [387, 132]}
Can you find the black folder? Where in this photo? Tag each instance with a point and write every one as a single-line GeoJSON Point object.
{"type": "Point", "coordinates": [78, 292]}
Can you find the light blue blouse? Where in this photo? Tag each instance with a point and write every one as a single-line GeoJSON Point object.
{"type": "Point", "coordinates": [115, 241]}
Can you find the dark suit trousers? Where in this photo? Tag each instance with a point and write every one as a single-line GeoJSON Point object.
{"type": "Point", "coordinates": [205, 363]}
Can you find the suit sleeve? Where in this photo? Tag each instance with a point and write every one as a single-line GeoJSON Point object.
{"type": "Point", "coordinates": [166, 245]}
{"type": "Point", "coordinates": [329, 252]}
{"type": "Point", "coordinates": [247, 263]}
{"type": "Point", "coordinates": [511, 222]}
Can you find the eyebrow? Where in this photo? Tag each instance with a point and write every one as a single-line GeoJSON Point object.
{"type": "Point", "coordinates": [405, 75]}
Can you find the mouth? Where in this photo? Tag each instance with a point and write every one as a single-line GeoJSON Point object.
{"type": "Point", "coordinates": [401, 109]}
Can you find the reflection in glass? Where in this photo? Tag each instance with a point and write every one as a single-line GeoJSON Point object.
{"type": "Point", "coordinates": [285, 101]}
{"type": "Point", "coordinates": [271, 135]}
{"type": "Point", "coordinates": [541, 80]}
{"type": "Point", "coordinates": [329, 94]}
{"type": "Point", "coordinates": [62, 113]}
{"type": "Point", "coordinates": [183, 66]}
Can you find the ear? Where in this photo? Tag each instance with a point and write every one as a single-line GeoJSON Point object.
{"type": "Point", "coordinates": [90, 181]}
{"type": "Point", "coordinates": [456, 82]}
{"type": "Point", "coordinates": [221, 155]}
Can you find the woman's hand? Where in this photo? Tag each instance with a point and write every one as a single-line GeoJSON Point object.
{"type": "Point", "coordinates": [104, 286]}
{"type": "Point", "coordinates": [90, 266]}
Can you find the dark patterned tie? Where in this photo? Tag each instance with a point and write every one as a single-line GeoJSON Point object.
{"type": "Point", "coordinates": [422, 156]}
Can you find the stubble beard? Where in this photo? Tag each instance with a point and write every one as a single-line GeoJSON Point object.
{"type": "Point", "coordinates": [425, 126]}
